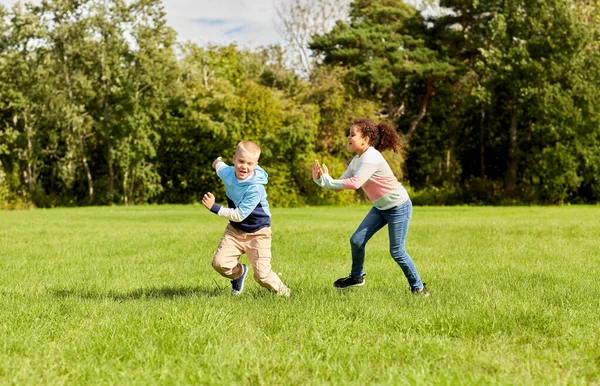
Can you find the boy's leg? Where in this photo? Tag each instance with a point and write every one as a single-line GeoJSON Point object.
{"type": "Point", "coordinates": [226, 259]}
{"type": "Point", "coordinates": [258, 249]}
{"type": "Point", "coordinates": [372, 222]}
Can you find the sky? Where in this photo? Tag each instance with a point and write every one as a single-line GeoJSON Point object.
{"type": "Point", "coordinates": [249, 23]}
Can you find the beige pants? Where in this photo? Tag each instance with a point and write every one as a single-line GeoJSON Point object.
{"type": "Point", "coordinates": [257, 246]}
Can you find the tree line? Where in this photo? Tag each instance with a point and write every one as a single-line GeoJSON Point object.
{"type": "Point", "coordinates": [496, 102]}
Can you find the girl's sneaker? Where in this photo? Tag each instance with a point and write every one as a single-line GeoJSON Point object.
{"type": "Point", "coordinates": [348, 282]}
{"type": "Point", "coordinates": [420, 291]}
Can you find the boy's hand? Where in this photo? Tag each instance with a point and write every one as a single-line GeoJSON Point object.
{"type": "Point", "coordinates": [214, 164]}
{"type": "Point", "coordinates": [208, 200]}
{"type": "Point", "coordinates": [317, 172]}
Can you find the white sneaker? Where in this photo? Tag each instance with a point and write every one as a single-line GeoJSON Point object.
{"type": "Point", "coordinates": [284, 292]}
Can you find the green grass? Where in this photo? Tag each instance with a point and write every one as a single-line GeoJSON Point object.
{"type": "Point", "coordinates": [120, 295]}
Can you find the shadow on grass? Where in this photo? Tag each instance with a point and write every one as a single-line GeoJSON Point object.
{"type": "Point", "coordinates": [142, 293]}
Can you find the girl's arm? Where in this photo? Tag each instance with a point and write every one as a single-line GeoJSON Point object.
{"type": "Point", "coordinates": [348, 180]}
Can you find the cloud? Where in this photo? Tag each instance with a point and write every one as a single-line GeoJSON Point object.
{"type": "Point", "coordinates": [211, 22]}
{"type": "Point", "coordinates": [248, 23]}
{"type": "Point", "coordinates": [234, 31]}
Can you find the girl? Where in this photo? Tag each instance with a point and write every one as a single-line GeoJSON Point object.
{"type": "Point", "coordinates": [391, 205]}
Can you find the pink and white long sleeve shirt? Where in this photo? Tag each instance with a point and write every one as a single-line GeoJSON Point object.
{"type": "Point", "coordinates": [371, 172]}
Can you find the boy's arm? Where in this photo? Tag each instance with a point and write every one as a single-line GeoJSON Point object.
{"type": "Point", "coordinates": [218, 165]}
{"type": "Point", "coordinates": [249, 202]}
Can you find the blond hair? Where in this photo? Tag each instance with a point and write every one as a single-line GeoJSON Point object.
{"type": "Point", "coordinates": [248, 147]}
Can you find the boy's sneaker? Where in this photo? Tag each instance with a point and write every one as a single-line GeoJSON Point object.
{"type": "Point", "coordinates": [284, 292]}
{"type": "Point", "coordinates": [349, 281]}
{"type": "Point", "coordinates": [237, 285]}
{"type": "Point", "coordinates": [420, 291]}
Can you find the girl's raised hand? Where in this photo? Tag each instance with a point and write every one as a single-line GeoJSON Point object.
{"type": "Point", "coordinates": [316, 170]}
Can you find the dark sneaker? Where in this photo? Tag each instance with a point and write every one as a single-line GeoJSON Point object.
{"type": "Point", "coordinates": [237, 285]}
{"type": "Point", "coordinates": [348, 282]}
{"type": "Point", "coordinates": [420, 291]}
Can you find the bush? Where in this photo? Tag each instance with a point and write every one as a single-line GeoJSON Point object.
{"type": "Point", "coordinates": [9, 199]}
{"type": "Point", "coordinates": [281, 190]}
{"type": "Point", "coordinates": [315, 195]}
{"type": "Point", "coordinates": [3, 188]}
{"type": "Point", "coordinates": [432, 196]}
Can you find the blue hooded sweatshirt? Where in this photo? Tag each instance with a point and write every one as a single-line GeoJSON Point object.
{"type": "Point", "coordinates": [248, 208]}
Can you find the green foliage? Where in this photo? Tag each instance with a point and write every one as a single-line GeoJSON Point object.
{"type": "Point", "coordinates": [85, 101]}
{"type": "Point", "coordinates": [386, 51]}
{"type": "Point", "coordinates": [557, 169]}
{"type": "Point", "coordinates": [12, 193]}
{"type": "Point", "coordinates": [318, 195]}
{"type": "Point", "coordinates": [100, 105]}
{"type": "Point", "coordinates": [338, 105]}
{"type": "Point", "coordinates": [216, 110]}
{"type": "Point", "coordinates": [3, 187]}
{"type": "Point", "coordinates": [186, 154]}
{"type": "Point", "coordinates": [529, 82]}
{"type": "Point", "coordinates": [281, 190]}
{"type": "Point", "coordinates": [396, 162]}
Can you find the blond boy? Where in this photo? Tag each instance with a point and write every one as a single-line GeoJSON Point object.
{"type": "Point", "coordinates": [249, 228]}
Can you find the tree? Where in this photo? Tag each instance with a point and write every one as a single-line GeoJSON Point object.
{"type": "Point", "coordinates": [225, 96]}
{"type": "Point", "coordinates": [201, 124]}
{"type": "Point", "coordinates": [109, 71]}
{"type": "Point", "coordinates": [527, 74]}
{"type": "Point", "coordinates": [299, 20]}
{"type": "Point", "coordinates": [70, 49]}
{"type": "Point", "coordinates": [150, 80]}
{"type": "Point", "coordinates": [386, 50]}
{"type": "Point", "coordinates": [24, 90]}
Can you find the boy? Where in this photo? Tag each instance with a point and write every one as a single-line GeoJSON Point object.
{"type": "Point", "coordinates": [249, 228]}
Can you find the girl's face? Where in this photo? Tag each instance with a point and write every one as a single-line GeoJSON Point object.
{"type": "Point", "coordinates": [356, 142]}
{"type": "Point", "coordinates": [244, 164]}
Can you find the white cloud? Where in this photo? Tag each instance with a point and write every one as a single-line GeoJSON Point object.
{"type": "Point", "coordinates": [248, 23]}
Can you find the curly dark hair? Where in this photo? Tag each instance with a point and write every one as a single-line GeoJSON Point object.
{"type": "Point", "coordinates": [381, 136]}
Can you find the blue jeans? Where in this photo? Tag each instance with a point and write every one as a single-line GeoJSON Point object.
{"type": "Point", "coordinates": [397, 220]}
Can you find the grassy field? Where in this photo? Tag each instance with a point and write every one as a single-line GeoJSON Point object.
{"type": "Point", "coordinates": [120, 295]}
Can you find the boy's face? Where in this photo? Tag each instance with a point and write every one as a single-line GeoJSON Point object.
{"type": "Point", "coordinates": [244, 164]}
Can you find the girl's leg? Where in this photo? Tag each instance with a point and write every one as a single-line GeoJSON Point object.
{"type": "Point", "coordinates": [398, 219]}
{"type": "Point", "coordinates": [373, 222]}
